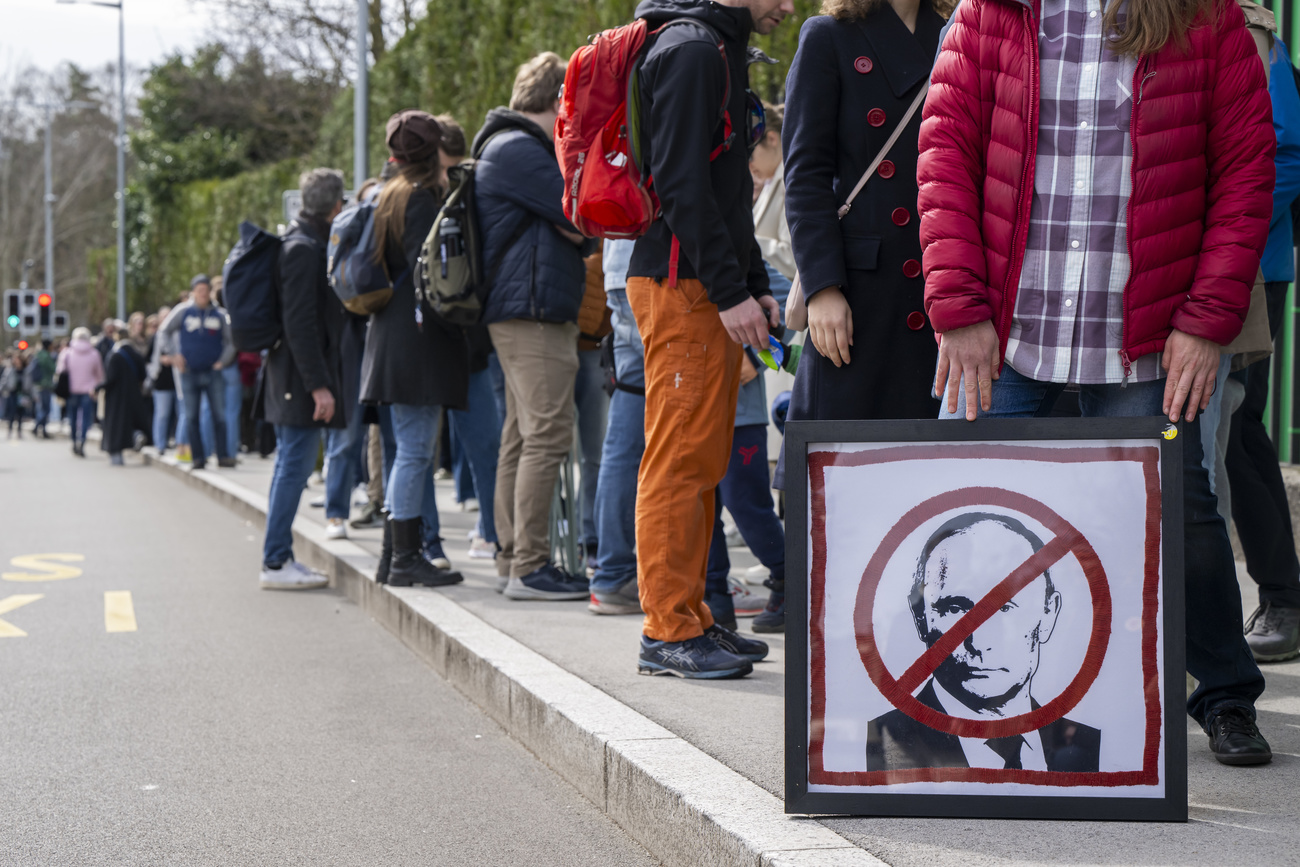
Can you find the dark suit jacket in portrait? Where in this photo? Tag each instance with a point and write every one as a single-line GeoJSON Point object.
{"type": "Point", "coordinates": [896, 741]}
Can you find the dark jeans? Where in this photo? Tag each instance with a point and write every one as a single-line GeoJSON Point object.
{"type": "Point", "coordinates": [1259, 503]}
{"type": "Point", "coordinates": [746, 491]}
{"type": "Point", "coordinates": [194, 384]}
{"type": "Point", "coordinates": [81, 415]}
{"type": "Point", "coordinates": [1217, 653]}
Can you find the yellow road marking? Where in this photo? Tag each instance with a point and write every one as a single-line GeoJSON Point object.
{"type": "Point", "coordinates": [12, 603]}
{"type": "Point", "coordinates": [42, 570]}
{"type": "Point", "coordinates": [119, 611]}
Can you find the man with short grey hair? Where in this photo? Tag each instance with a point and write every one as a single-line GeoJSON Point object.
{"type": "Point", "coordinates": [303, 374]}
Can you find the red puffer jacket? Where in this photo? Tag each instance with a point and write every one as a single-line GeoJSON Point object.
{"type": "Point", "coordinates": [1202, 176]}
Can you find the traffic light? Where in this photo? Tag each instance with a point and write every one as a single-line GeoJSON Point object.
{"type": "Point", "coordinates": [12, 305]}
{"type": "Point", "coordinates": [22, 345]}
{"type": "Point", "coordinates": [44, 300]}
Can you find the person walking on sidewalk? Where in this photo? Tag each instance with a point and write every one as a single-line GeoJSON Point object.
{"type": "Point", "coordinates": [302, 376]}
{"type": "Point", "coordinates": [85, 371]}
{"type": "Point", "coordinates": [1071, 275]}
{"type": "Point", "coordinates": [412, 370]}
{"type": "Point", "coordinates": [531, 312]}
{"type": "Point", "coordinates": [197, 344]}
{"type": "Point", "coordinates": [43, 381]}
{"type": "Point", "coordinates": [698, 289]}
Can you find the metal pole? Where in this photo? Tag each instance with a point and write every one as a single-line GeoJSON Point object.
{"type": "Point", "coordinates": [361, 105]}
{"type": "Point", "coordinates": [49, 202]}
{"type": "Point", "coordinates": [121, 160]}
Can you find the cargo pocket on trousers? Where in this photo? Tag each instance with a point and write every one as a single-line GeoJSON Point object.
{"type": "Point", "coordinates": [682, 378]}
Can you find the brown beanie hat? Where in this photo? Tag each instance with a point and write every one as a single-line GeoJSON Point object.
{"type": "Point", "coordinates": [413, 136]}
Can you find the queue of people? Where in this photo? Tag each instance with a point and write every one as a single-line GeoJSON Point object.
{"type": "Point", "coordinates": [942, 264]}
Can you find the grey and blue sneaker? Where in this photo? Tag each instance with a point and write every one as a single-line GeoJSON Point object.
{"type": "Point", "coordinates": [624, 600]}
{"type": "Point", "coordinates": [750, 648]}
{"type": "Point", "coordinates": [549, 583]}
{"type": "Point", "coordinates": [695, 658]}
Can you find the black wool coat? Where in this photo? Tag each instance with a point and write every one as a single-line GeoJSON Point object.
{"type": "Point", "coordinates": [125, 408]}
{"type": "Point", "coordinates": [308, 356]}
{"type": "Point", "coordinates": [405, 363]}
{"type": "Point", "coordinates": [850, 84]}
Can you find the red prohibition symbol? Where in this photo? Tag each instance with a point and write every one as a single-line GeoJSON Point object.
{"type": "Point", "coordinates": [1065, 540]}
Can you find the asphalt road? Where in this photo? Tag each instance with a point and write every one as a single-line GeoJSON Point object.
{"type": "Point", "coordinates": [188, 717]}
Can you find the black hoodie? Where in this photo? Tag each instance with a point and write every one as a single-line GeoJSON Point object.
{"type": "Point", "coordinates": [709, 206]}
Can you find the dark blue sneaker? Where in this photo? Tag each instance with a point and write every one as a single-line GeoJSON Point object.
{"type": "Point", "coordinates": [750, 648]}
{"type": "Point", "coordinates": [773, 617]}
{"type": "Point", "coordinates": [693, 658]}
{"type": "Point", "coordinates": [548, 582]}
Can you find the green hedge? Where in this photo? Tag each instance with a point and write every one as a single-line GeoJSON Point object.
{"type": "Point", "coordinates": [461, 58]}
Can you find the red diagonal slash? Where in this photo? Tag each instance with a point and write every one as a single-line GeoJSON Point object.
{"type": "Point", "coordinates": [1024, 574]}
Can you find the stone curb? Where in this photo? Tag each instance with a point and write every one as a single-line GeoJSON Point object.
{"type": "Point", "coordinates": [685, 807]}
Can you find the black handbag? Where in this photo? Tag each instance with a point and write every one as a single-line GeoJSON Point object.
{"type": "Point", "coordinates": [62, 386]}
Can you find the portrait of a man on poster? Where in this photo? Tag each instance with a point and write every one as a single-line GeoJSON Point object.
{"type": "Point", "coordinates": [990, 675]}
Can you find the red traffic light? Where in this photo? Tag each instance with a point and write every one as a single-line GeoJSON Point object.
{"type": "Point", "coordinates": [45, 300]}
{"type": "Point", "coordinates": [22, 346]}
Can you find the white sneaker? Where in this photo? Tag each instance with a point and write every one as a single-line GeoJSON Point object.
{"type": "Point", "coordinates": [733, 536]}
{"type": "Point", "coordinates": [292, 576]}
{"type": "Point", "coordinates": [470, 505]}
{"type": "Point", "coordinates": [756, 575]}
{"type": "Point", "coordinates": [336, 528]}
{"type": "Point", "coordinates": [482, 549]}
{"type": "Point", "coordinates": [360, 496]}
{"type": "Point", "coordinates": [317, 502]}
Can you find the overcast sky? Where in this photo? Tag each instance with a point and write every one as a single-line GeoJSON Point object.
{"type": "Point", "coordinates": [46, 33]}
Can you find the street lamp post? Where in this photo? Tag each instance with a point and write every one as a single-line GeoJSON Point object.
{"type": "Point", "coordinates": [361, 103]}
{"type": "Point", "coordinates": [50, 198]}
{"type": "Point", "coordinates": [121, 144]}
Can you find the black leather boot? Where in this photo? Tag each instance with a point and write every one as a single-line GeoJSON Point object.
{"type": "Point", "coordinates": [385, 553]}
{"type": "Point", "coordinates": [409, 566]}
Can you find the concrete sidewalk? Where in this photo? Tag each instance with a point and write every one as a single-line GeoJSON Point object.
{"type": "Point", "coordinates": [694, 771]}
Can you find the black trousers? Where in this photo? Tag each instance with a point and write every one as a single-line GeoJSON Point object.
{"type": "Point", "coordinates": [1259, 503]}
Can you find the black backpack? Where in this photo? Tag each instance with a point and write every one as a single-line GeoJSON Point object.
{"type": "Point", "coordinates": [250, 288]}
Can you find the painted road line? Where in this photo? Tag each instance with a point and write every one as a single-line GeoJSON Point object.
{"type": "Point", "coordinates": [12, 603]}
{"type": "Point", "coordinates": [119, 611]}
{"type": "Point", "coordinates": [44, 567]}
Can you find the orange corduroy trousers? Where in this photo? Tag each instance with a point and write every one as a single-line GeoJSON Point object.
{"type": "Point", "coordinates": [692, 376]}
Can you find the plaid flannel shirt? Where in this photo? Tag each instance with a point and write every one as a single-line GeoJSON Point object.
{"type": "Point", "coordinates": [1068, 319]}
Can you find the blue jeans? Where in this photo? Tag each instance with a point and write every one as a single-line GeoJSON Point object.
{"type": "Point", "coordinates": [343, 451]}
{"type": "Point", "coordinates": [43, 400]}
{"type": "Point", "coordinates": [410, 492]}
{"type": "Point", "coordinates": [477, 433]}
{"type": "Point", "coordinates": [195, 384]}
{"type": "Point", "coordinates": [615, 507]}
{"type": "Point", "coordinates": [593, 405]}
{"type": "Point", "coordinates": [295, 458]}
{"type": "Point", "coordinates": [233, 389]}
{"type": "Point", "coordinates": [164, 404]}
{"type": "Point", "coordinates": [746, 491]}
{"type": "Point", "coordinates": [81, 413]}
{"type": "Point", "coordinates": [1217, 653]}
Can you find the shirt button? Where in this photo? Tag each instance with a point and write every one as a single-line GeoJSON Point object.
{"type": "Point", "coordinates": [1092, 14]}
{"type": "Point", "coordinates": [886, 169]}
{"type": "Point", "coordinates": [876, 117]}
{"type": "Point", "coordinates": [916, 320]}
{"type": "Point", "coordinates": [1079, 185]}
{"type": "Point", "coordinates": [1069, 302]}
{"type": "Point", "coordinates": [1074, 244]}
{"type": "Point", "coordinates": [901, 216]}
{"type": "Point", "coordinates": [863, 65]}
{"type": "Point", "coordinates": [1083, 125]}
{"type": "Point", "coordinates": [911, 268]}
{"type": "Point", "coordinates": [288, 396]}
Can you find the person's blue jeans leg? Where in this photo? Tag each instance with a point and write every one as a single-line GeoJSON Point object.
{"type": "Point", "coordinates": [192, 400]}
{"type": "Point", "coordinates": [182, 420]}
{"type": "Point", "coordinates": [209, 430]}
{"type": "Point", "coordinates": [43, 407]}
{"type": "Point", "coordinates": [717, 594]}
{"type": "Point", "coordinates": [747, 493]}
{"type": "Point", "coordinates": [195, 385]}
{"type": "Point", "coordinates": [216, 390]}
{"type": "Point", "coordinates": [81, 412]}
{"type": "Point", "coordinates": [461, 474]}
{"type": "Point", "coordinates": [478, 431]}
{"type": "Point", "coordinates": [163, 404]}
{"type": "Point", "coordinates": [615, 509]}
{"type": "Point", "coordinates": [592, 403]}
{"type": "Point", "coordinates": [343, 457]}
{"type": "Point", "coordinates": [1211, 418]}
{"type": "Point", "coordinates": [415, 431]}
{"type": "Point", "coordinates": [234, 398]}
{"type": "Point", "coordinates": [295, 458]}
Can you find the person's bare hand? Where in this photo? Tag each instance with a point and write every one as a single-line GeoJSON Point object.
{"type": "Point", "coordinates": [773, 311]}
{"type": "Point", "coordinates": [1193, 365]}
{"type": "Point", "coordinates": [178, 362]}
{"type": "Point", "coordinates": [217, 366]}
{"type": "Point", "coordinates": [968, 357]}
{"type": "Point", "coordinates": [746, 323]}
{"type": "Point", "coordinates": [830, 325]}
{"type": "Point", "coordinates": [324, 405]}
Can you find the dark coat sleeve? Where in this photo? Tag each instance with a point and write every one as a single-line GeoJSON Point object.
{"type": "Point", "coordinates": [300, 270]}
{"type": "Point", "coordinates": [523, 173]}
{"type": "Point", "coordinates": [811, 150]}
{"type": "Point", "coordinates": [686, 89]}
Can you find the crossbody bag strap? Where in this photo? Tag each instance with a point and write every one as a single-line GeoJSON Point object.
{"type": "Point", "coordinates": [893, 138]}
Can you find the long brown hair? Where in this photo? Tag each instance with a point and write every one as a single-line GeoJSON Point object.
{"type": "Point", "coordinates": [1149, 25]}
{"type": "Point", "coordinates": [851, 10]}
{"type": "Point", "coordinates": [390, 210]}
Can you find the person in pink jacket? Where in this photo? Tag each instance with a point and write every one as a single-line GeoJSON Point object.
{"type": "Point", "coordinates": [85, 371]}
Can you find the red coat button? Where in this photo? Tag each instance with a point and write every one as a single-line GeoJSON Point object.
{"type": "Point", "coordinates": [916, 320]}
{"type": "Point", "coordinates": [876, 117]}
{"type": "Point", "coordinates": [863, 65]}
{"type": "Point", "coordinates": [901, 216]}
{"type": "Point", "coordinates": [911, 268]}
{"type": "Point", "coordinates": [886, 169]}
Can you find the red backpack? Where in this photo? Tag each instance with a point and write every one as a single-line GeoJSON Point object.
{"type": "Point", "coordinates": [608, 192]}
